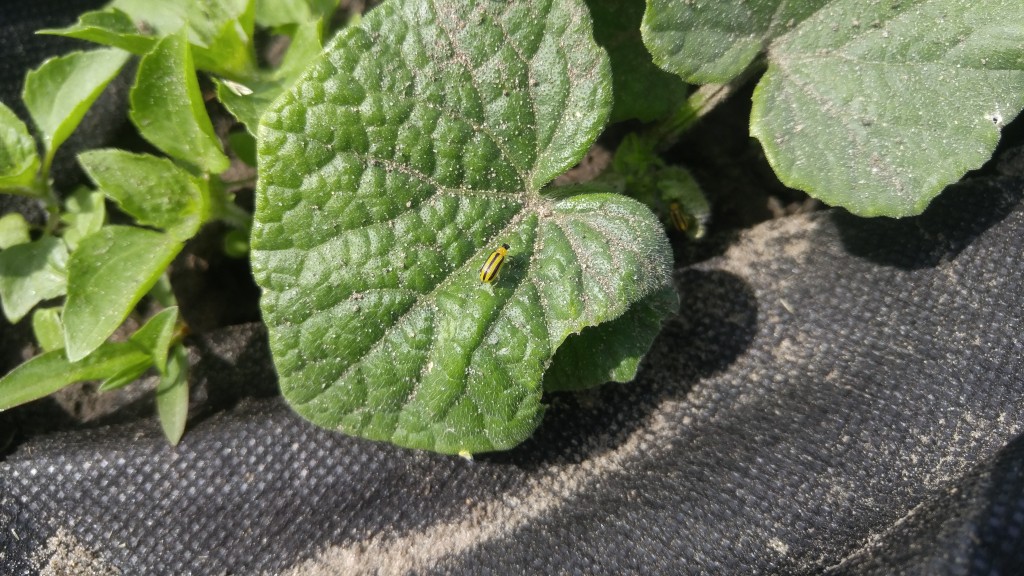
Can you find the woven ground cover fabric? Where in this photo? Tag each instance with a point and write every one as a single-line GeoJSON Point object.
{"type": "Point", "coordinates": [836, 396]}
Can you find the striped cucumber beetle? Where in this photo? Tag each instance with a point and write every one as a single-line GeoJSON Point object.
{"type": "Point", "coordinates": [675, 213]}
{"type": "Point", "coordinates": [489, 271]}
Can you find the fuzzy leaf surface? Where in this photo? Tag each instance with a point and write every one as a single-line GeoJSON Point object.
{"type": "Point", "coordinates": [873, 106]}
{"type": "Point", "coordinates": [623, 342]}
{"type": "Point", "coordinates": [395, 166]}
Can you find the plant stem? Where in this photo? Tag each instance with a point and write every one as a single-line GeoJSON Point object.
{"type": "Point", "coordinates": [702, 101]}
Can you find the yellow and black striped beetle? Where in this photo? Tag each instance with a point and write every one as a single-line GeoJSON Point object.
{"type": "Point", "coordinates": [489, 271]}
{"type": "Point", "coordinates": [675, 213]}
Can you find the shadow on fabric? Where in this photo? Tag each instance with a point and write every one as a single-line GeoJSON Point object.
{"type": "Point", "coordinates": [716, 324]}
{"type": "Point", "coordinates": [953, 220]}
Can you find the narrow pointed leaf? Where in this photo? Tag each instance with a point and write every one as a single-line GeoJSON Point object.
{"type": "Point", "coordinates": [395, 166]}
{"type": "Point", "coordinates": [220, 31]}
{"type": "Point", "coordinates": [107, 275]}
{"type": "Point", "coordinates": [168, 109]}
{"type": "Point", "coordinates": [109, 26]}
{"type": "Point", "coordinates": [61, 90]}
{"type": "Point", "coordinates": [155, 336]}
{"type": "Point", "coordinates": [172, 395]}
{"type": "Point", "coordinates": [51, 371]}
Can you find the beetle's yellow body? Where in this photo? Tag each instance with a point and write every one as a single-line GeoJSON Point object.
{"type": "Point", "coordinates": [675, 213]}
{"type": "Point", "coordinates": [489, 271]}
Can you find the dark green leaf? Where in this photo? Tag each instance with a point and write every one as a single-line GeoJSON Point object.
{"type": "Point", "coordinates": [49, 372]}
{"type": "Point", "coordinates": [107, 275]}
{"type": "Point", "coordinates": [611, 352]}
{"type": "Point", "coordinates": [873, 106]}
{"type": "Point", "coordinates": [389, 173]}
{"type": "Point", "coordinates": [152, 190]}
{"type": "Point", "coordinates": [642, 90]}
{"type": "Point", "coordinates": [61, 90]}
{"type": "Point", "coordinates": [31, 273]}
{"type": "Point", "coordinates": [169, 110]}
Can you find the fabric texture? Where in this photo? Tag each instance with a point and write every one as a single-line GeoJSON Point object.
{"type": "Point", "coordinates": [836, 396]}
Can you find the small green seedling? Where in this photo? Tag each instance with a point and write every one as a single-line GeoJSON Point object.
{"type": "Point", "coordinates": [94, 274]}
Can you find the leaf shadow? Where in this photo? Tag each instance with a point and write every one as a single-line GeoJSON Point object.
{"type": "Point", "coordinates": [717, 323]}
{"type": "Point", "coordinates": [949, 225]}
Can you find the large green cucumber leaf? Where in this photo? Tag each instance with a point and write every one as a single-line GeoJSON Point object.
{"type": "Point", "coordinates": [642, 90]}
{"type": "Point", "coordinates": [874, 106]}
{"type": "Point", "coordinates": [420, 142]}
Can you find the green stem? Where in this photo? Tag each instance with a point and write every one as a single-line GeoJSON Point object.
{"type": "Point", "coordinates": [701, 102]}
{"type": "Point", "coordinates": [223, 207]}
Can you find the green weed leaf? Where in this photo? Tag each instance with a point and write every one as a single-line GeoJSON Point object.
{"type": "Point", "coordinates": [274, 13]}
{"type": "Point", "coordinates": [31, 273]}
{"type": "Point", "coordinates": [84, 213]}
{"type": "Point", "coordinates": [51, 371]}
{"type": "Point", "coordinates": [48, 329]}
{"type": "Point", "coordinates": [155, 336]}
{"type": "Point", "coordinates": [168, 109]}
{"type": "Point", "coordinates": [110, 27]}
{"type": "Point", "coordinates": [874, 106]}
{"type": "Point", "coordinates": [172, 395]}
{"type": "Point", "coordinates": [61, 90]}
{"type": "Point", "coordinates": [642, 90]}
{"type": "Point", "coordinates": [107, 275]}
{"type": "Point", "coordinates": [19, 161]}
{"type": "Point", "coordinates": [388, 174]}
{"type": "Point", "coordinates": [152, 190]}
{"type": "Point", "coordinates": [220, 31]}
{"type": "Point", "coordinates": [248, 102]}
{"type": "Point", "coordinates": [13, 230]}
